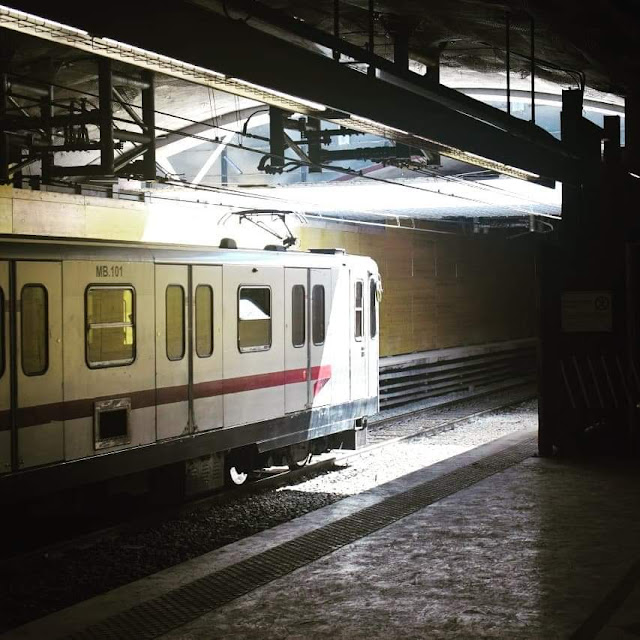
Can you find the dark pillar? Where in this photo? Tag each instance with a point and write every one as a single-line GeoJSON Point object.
{"type": "Point", "coordinates": [4, 144]}
{"type": "Point", "coordinates": [571, 132]}
{"type": "Point", "coordinates": [315, 144]}
{"type": "Point", "coordinates": [632, 132]}
{"type": "Point", "coordinates": [224, 167]}
{"type": "Point", "coordinates": [371, 71]}
{"type": "Point", "coordinates": [336, 27]}
{"type": "Point", "coordinates": [276, 137]}
{"type": "Point", "coordinates": [46, 113]}
{"type": "Point", "coordinates": [612, 140]}
{"type": "Point", "coordinates": [533, 71]}
{"type": "Point", "coordinates": [400, 32]}
{"type": "Point", "coordinates": [105, 90]}
{"type": "Point", "coordinates": [149, 126]}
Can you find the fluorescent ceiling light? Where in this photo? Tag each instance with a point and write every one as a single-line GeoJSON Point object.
{"type": "Point", "coordinates": [308, 103]}
{"type": "Point", "coordinates": [379, 125]}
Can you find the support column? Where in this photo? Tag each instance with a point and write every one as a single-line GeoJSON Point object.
{"type": "Point", "coordinates": [276, 137]}
{"type": "Point", "coordinates": [400, 32]}
{"type": "Point", "coordinates": [315, 144]}
{"type": "Point", "coordinates": [571, 130]}
{"type": "Point", "coordinates": [632, 132]}
{"type": "Point", "coordinates": [533, 71]}
{"type": "Point", "coordinates": [507, 45]}
{"type": "Point", "coordinates": [46, 113]}
{"type": "Point", "coordinates": [105, 90]}
{"type": "Point", "coordinates": [4, 144]}
{"type": "Point", "coordinates": [371, 71]}
{"type": "Point", "coordinates": [612, 140]}
{"type": "Point", "coordinates": [149, 126]}
{"type": "Point", "coordinates": [336, 27]}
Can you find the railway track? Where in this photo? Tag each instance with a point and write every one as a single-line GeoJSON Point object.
{"type": "Point", "coordinates": [383, 433]}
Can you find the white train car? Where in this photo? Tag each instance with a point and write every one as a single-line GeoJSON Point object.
{"type": "Point", "coordinates": [120, 358]}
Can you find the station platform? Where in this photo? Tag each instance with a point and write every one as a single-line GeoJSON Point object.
{"type": "Point", "coordinates": [493, 543]}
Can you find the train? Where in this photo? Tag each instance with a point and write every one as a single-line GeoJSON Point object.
{"type": "Point", "coordinates": [121, 358]}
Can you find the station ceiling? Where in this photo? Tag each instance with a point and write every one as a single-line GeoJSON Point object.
{"type": "Point", "coordinates": [574, 46]}
{"type": "Point", "coordinates": [596, 40]}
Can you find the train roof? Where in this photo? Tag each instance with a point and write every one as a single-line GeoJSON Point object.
{"type": "Point", "coordinates": [54, 248]}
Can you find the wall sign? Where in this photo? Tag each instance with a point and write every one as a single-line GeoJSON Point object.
{"type": "Point", "coordinates": [587, 311]}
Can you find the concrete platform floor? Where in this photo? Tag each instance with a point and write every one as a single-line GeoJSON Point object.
{"type": "Point", "coordinates": [547, 548]}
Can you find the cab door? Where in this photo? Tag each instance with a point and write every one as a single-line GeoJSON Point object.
{"type": "Point", "coordinates": [5, 372]}
{"type": "Point", "coordinates": [374, 335]}
{"type": "Point", "coordinates": [172, 363]}
{"type": "Point", "coordinates": [207, 331]}
{"type": "Point", "coordinates": [359, 347]}
{"type": "Point", "coordinates": [296, 343]}
{"type": "Point", "coordinates": [39, 363]}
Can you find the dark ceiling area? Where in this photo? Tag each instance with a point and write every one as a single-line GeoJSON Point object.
{"type": "Point", "coordinates": [574, 42]}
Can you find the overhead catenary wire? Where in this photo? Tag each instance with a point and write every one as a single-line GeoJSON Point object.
{"type": "Point", "coordinates": [298, 162]}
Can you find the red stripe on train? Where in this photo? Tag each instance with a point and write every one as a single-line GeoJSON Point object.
{"type": "Point", "coordinates": [73, 409]}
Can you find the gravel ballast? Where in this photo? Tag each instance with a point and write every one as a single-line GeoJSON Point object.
{"type": "Point", "coordinates": [42, 584]}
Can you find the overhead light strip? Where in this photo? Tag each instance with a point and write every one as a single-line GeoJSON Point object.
{"type": "Point", "coordinates": [46, 29]}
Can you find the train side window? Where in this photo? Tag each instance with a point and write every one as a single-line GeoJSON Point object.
{"type": "Point", "coordinates": [359, 310]}
{"type": "Point", "coordinates": [317, 314]}
{"type": "Point", "coordinates": [204, 321]}
{"type": "Point", "coordinates": [110, 326]}
{"type": "Point", "coordinates": [298, 316]}
{"type": "Point", "coordinates": [34, 330]}
{"type": "Point", "coordinates": [373, 303]}
{"type": "Point", "coordinates": [174, 307]}
{"type": "Point", "coordinates": [2, 366]}
{"type": "Point", "coordinates": [254, 319]}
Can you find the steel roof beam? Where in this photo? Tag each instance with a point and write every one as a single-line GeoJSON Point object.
{"type": "Point", "coordinates": [191, 34]}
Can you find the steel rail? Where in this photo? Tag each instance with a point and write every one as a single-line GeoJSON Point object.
{"type": "Point", "coordinates": [277, 479]}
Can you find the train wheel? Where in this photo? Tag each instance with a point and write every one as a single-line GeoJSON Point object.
{"type": "Point", "coordinates": [298, 455]}
{"type": "Point", "coordinates": [236, 477]}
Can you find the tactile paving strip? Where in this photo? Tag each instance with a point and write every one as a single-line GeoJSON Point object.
{"type": "Point", "coordinates": [160, 615]}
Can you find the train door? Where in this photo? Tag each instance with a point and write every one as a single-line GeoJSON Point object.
{"type": "Point", "coordinates": [319, 348]}
{"type": "Point", "coordinates": [5, 381]}
{"type": "Point", "coordinates": [207, 346]}
{"type": "Point", "coordinates": [253, 314]}
{"type": "Point", "coordinates": [374, 330]}
{"type": "Point", "coordinates": [359, 355]}
{"type": "Point", "coordinates": [296, 339]}
{"type": "Point", "coordinates": [39, 363]}
{"type": "Point", "coordinates": [172, 362]}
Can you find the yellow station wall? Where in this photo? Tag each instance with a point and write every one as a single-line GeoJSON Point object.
{"type": "Point", "coordinates": [443, 291]}
{"type": "Point", "coordinates": [439, 291]}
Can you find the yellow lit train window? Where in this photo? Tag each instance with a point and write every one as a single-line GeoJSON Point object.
{"type": "Point", "coordinates": [254, 319]}
{"type": "Point", "coordinates": [174, 300]}
{"type": "Point", "coordinates": [204, 321]}
{"type": "Point", "coordinates": [111, 334]}
{"type": "Point", "coordinates": [34, 330]}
